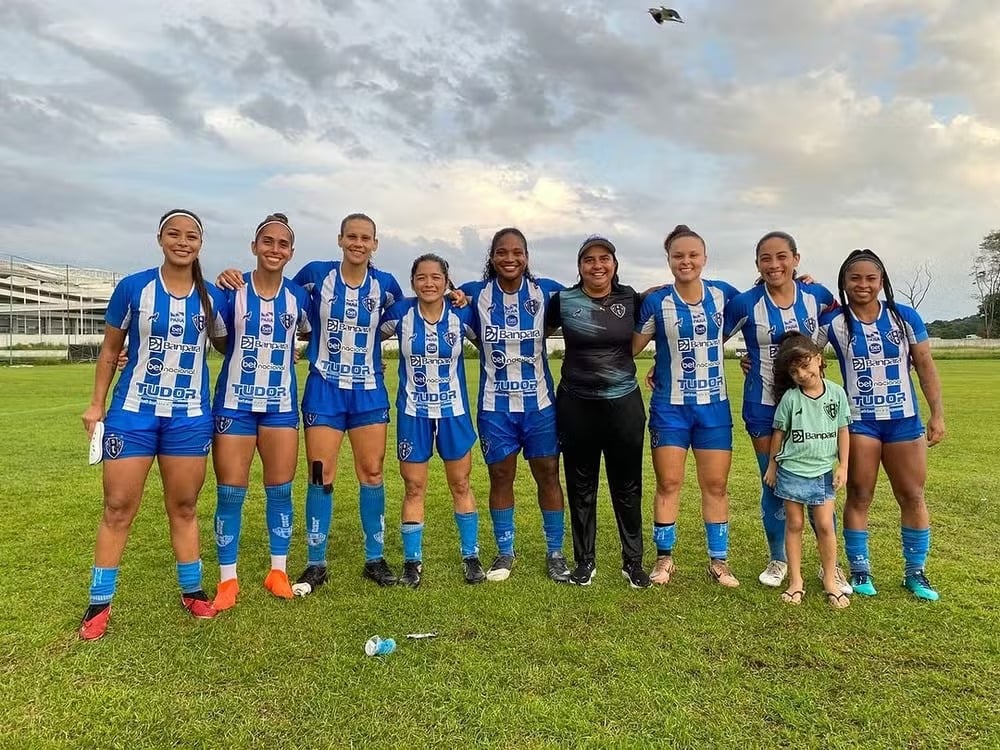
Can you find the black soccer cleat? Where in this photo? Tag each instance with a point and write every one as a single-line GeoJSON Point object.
{"type": "Point", "coordinates": [411, 574]}
{"type": "Point", "coordinates": [474, 572]}
{"type": "Point", "coordinates": [379, 572]}
{"type": "Point", "coordinates": [311, 579]}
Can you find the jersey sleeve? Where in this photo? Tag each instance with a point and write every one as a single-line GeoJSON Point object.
{"type": "Point", "coordinates": [393, 292]}
{"type": "Point", "coordinates": [467, 316]}
{"type": "Point", "coordinates": [218, 328]}
{"type": "Point", "coordinates": [304, 302]}
{"type": "Point", "coordinates": [636, 308]}
{"type": "Point", "coordinates": [737, 313]}
{"type": "Point", "coordinates": [391, 318]}
{"type": "Point", "coordinates": [306, 277]}
{"type": "Point", "coordinates": [646, 323]}
{"type": "Point", "coordinates": [553, 312]}
{"type": "Point", "coordinates": [119, 311]}
{"type": "Point", "coordinates": [783, 414]}
{"type": "Point", "coordinates": [550, 287]}
{"type": "Point", "coordinates": [823, 295]}
{"type": "Point", "coordinates": [916, 331]}
{"type": "Point", "coordinates": [823, 330]}
{"type": "Point", "coordinates": [844, 412]}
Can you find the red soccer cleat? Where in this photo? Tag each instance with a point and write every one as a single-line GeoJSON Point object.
{"type": "Point", "coordinates": [198, 605]}
{"type": "Point", "coordinates": [225, 595]}
{"type": "Point", "coordinates": [277, 583]}
{"type": "Point", "coordinates": [94, 625]}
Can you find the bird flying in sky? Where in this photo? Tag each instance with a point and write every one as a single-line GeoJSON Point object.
{"type": "Point", "coordinates": [662, 14]}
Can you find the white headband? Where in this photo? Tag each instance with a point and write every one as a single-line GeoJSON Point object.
{"type": "Point", "coordinates": [269, 223]}
{"type": "Point", "coordinates": [172, 214]}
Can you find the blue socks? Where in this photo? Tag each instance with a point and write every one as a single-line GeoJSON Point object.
{"type": "Point", "coordinates": [717, 540]}
{"type": "Point", "coordinates": [554, 526]}
{"type": "Point", "coordinates": [319, 512]}
{"type": "Point", "coordinates": [772, 514]}
{"type": "Point", "coordinates": [664, 537]}
{"type": "Point", "coordinates": [856, 548]}
{"type": "Point", "coordinates": [103, 582]}
{"type": "Point", "coordinates": [228, 521]}
{"type": "Point", "coordinates": [278, 512]}
{"type": "Point", "coordinates": [503, 529]}
{"type": "Point", "coordinates": [371, 505]}
{"type": "Point", "coordinates": [189, 576]}
{"type": "Point", "coordinates": [468, 533]}
{"type": "Point", "coordinates": [413, 541]}
{"type": "Point", "coordinates": [916, 544]}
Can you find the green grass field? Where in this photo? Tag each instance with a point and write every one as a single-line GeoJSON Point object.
{"type": "Point", "coordinates": [520, 664]}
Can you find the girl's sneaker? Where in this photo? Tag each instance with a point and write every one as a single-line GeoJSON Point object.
{"type": "Point", "coordinates": [718, 570]}
{"type": "Point", "coordinates": [774, 574]}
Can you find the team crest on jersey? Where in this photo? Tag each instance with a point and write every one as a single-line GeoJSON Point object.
{"type": "Point", "coordinates": [403, 449]}
{"type": "Point", "coordinates": [113, 445]}
{"type": "Point", "coordinates": [369, 303]}
{"type": "Point", "coordinates": [310, 418]}
{"type": "Point", "coordinates": [199, 321]}
{"type": "Point", "coordinates": [831, 410]}
{"type": "Point", "coordinates": [811, 325]}
{"type": "Point", "coordinates": [451, 338]}
{"type": "Point", "coordinates": [618, 310]}
{"type": "Point", "coordinates": [287, 320]}
{"type": "Point", "coordinates": [222, 424]}
{"type": "Point", "coordinates": [485, 445]}
{"type": "Point", "coordinates": [654, 439]}
{"type": "Point", "coordinates": [532, 306]}
{"type": "Point", "coordinates": [717, 317]}
{"type": "Point", "coordinates": [894, 336]}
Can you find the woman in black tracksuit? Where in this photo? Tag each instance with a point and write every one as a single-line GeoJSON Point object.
{"type": "Point", "coordinates": [599, 408]}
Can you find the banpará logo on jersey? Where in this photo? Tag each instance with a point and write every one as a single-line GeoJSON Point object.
{"type": "Point", "coordinates": [451, 338]}
{"type": "Point", "coordinates": [222, 424]}
{"type": "Point", "coordinates": [618, 310]}
{"type": "Point", "coordinates": [494, 334]}
{"type": "Point", "coordinates": [772, 351]}
{"type": "Point", "coordinates": [266, 329]}
{"type": "Point", "coordinates": [113, 445]}
{"type": "Point", "coordinates": [154, 366]}
{"type": "Point", "coordinates": [798, 436]}
{"type": "Point", "coordinates": [176, 329]}
{"type": "Point", "coordinates": [894, 337]}
{"type": "Point", "coordinates": [831, 409]}
{"type": "Point", "coordinates": [532, 306]}
{"type": "Point", "coordinates": [689, 345]}
{"type": "Point", "coordinates": [158, 344]}
{"type": "Point", "coordinates": [199, 321]}
{"type": "Point", "coordinates": [404, 448]}
{"type": "Point", "coordinates": [498, 358]}
{"type": "Point", "coordinates": [249, 364]}
{"type": "Point", "coordinates": [287, 320]}
{"type": "Point", "coordinates": [369, 303]}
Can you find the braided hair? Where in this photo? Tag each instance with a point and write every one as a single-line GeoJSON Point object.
{"type": "Point", "coordinates": [490, 272]}
{"type": "Point", "coordinates": [858, 256]}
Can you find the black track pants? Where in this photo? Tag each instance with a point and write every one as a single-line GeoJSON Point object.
{"type": "Point", "coordinates": [616, 428]}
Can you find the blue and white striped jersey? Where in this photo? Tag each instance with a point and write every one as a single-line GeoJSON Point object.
{"type": "Point", "coordinates": [258, 373]}
{"type": "Point", "coordinates": [165, 374]}
{"type": "Point", "coordinates": [689, 357]}
{"type": "Point", "coordinates": [345, 348]}
{"type": "Point", "coordinates": [431, 369]}
{"type": "Point", "coordinates": [515, 367]}
{"type": "Point", "coordinates": [763, 323]}
{"type": "Point", "coordinates": [875, 361]}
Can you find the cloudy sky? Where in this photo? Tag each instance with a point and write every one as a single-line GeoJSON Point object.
{"type": "Point", "coordinates": [849, 123]}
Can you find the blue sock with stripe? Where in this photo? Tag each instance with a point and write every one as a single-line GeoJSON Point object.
{"type": "Point", "coordinates": [856, 549]}
{"type": "Point", "coordinates": [279, 513]}
{"type": "Point", "coordinates": [664, 537]}
{"type": "Point", "coordinates": [503, 529]}
{"type": "Point", "coordinates": [554, 527]}
{"type": "Point", "coordinates": [717, 540]}
{"type": "Point", "coordinates": [228, 522]}
{"type": "Point", "coordinates": [103, 582]}
{"type": "Point", "coordinates": [189, 576]}
{"type": "Point", "coordinates": [916, 545]}
{"type": "Point", "coordinates": [371, 505]}
{"type": "Point", "coordinates": [468, 533]}
{"type": "Point", "coordinates": [319, 512]}
{"type": "Point", "coordinates": [413, 541]}
{"type": "Point", "coordinates": [772, 514]}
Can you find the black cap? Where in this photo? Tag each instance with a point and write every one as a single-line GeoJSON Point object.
{"type": "Point", "coordinates": [595, 240]}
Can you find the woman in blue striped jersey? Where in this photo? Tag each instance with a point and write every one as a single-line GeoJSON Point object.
{"type": "Point", "coordinates": [689, 408]}
{"type": "Point", "coordinates": [432, 406]}
{"type": "Point", "coordinates": [256, 405]}
{"type": "Point", "coordinates": [159, 410]}
{"type": "Point", "coordinates": [876, 342]}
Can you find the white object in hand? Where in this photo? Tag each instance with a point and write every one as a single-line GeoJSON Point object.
{"type": "Point", "coordinates": [97, 444]}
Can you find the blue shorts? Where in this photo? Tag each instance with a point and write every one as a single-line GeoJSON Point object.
{"type": "Point", "coordinates": [504, 433]}
{"type": "Point", "coordinates": [127, 435]}
{"type": "Point", "coordinates": [416, 436]}
{"type": "Point", "coordinates": [245, 423]}
{"type": "Point", "coordinates": [700, 426]}
{"type": "Point", "coordinates": [889, 430]}
{"type": "Point", "coordinates": [758, 419]}
{"type": "Point", "coordinates": [804, 490]}
{"type": "Point", "coordinates": [326, 405]}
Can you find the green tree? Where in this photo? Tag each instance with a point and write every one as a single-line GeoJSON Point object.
{"type": "Point", "coordinates": [986, 278]}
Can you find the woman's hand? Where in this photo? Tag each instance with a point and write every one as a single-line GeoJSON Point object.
{"type": "Point", "coordinates": [458, 298]}
{"type": "Point", "coordinates": [91, 417]}
{"type": "Point", "coordinates": [231, 279]}
{"type": "Point", "coordinates": [935, 430]}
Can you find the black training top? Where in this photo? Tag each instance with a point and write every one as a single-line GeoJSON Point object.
{"type": "Point", "coordinates": [598, 359]}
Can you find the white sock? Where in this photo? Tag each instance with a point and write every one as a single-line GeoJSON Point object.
{"type": "Point", "coordinates": [278, 562]}
{"type": "Point", "coordinates": [227, 571]}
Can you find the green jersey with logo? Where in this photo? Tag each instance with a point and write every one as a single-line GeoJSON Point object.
{"type": "Point", "coordinates": [810, 426]}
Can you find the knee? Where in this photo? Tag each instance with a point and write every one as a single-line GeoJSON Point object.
{"type": "Point", "coordinates": [502, 474]}
{"type": "Point", "coordinates": [793, 524]}
{"type": "Point", "coordinates": [714, 489]}
{"type": "Point", "coordinates": [459, 486]}
{"type": "Point", "coordinates": [910, 498]}
{"type": "Point", "coordinates": [182, 508]}
{"type": "Point", "coordinates": [858, 497]}
{"type": "Point", "coordinates": [119, 512]}
{"type": "Point", "coordinates": [370, 472]}
{"type": "Point", "coordinates": [668, 486]}
{"type": "Point", "coordinates": [414, 489]}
